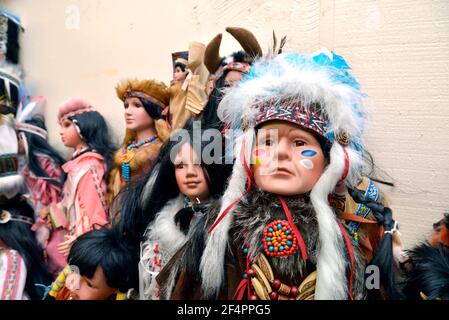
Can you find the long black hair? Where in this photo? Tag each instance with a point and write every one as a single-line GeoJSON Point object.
{"type": "Point", "coordinates": [136, 213]}
{"type": "Point", "coordinates": [19, 236]}
{"type": "Point", "coordinates": [95, 132]}
{"type": "Point", "coordinates": [36, 145]}
{"type": "Point", "coordinates": [104, 248]}
{"type": "Point", "coordinates": [383, 255]}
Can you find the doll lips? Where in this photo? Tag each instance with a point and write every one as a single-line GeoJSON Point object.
{"type": "Point", "coordinates": [283, 171]}
{"type": "Point", "coordinates": [192, 184]}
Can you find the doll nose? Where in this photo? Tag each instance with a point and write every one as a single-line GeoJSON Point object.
{"type": "Point", "coordinates": [191, 171]}
{"type": "Point", "coordinates": [283, 150]}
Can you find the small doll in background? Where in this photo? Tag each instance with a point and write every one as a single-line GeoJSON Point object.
{"type": "Point", "coordinates": [99, 269]}
{"type": "Point", "coordinates": [144, 102]}
{"type": "Point", "coordinates": [426, 271]}
{"type": "Point", "coordinates": [42, 172]}
{"type": "Point", "coordinates": [22, 265]}
{"type": "Point", "coordinates": [84, 202]}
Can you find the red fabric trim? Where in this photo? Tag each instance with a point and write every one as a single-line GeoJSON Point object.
{"type": "Point", "coordinates": [346, 169]}
{"type": "Point", "coordinates": [298, 236]}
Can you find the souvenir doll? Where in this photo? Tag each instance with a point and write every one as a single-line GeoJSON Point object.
{"type": "Point", "coordinates": [426, 269]}
{"type": "Point", "coordinates": [84, 204]}
{"type": "Point", "coordinates": [98, 269]}
{"type": "Point", "coordinates": [22, 266]}
{"type": "Point", "coordinates": [42, 171]}
{"type": "Point", "coordinates": [11, 182]}
{"type": "Point", "coordinates": [276, 236]}
{"type": "Point", "coordinates": [185, 186]}
{"type": "Point", "coordinates": [227, 71]}
{"type": "Point", "coordinates": [187, 92]}
{"type": "Point", "coordinates": [11, 86]}
{"type": "Point", "coordinates": [144, 102]}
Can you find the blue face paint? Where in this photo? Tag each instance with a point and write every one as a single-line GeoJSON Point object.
{"type": "Point", "coordinates": [308, 153]}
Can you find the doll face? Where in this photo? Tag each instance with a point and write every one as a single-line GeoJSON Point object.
{"type": "Point", "coordinates": [232, 78]}
{"type": "Point", "coordinates": [190, 176]}
{"type": "Point", "coordinates": [136, 117]}
{"type": "Point", "coordinates": [95, 288]}
{"type": "Point", "coordinates": [291, 165]}
{"type": "Point", "coordinates": [179, 75]}
{"type": "Point", "coordinates": [69, 135]}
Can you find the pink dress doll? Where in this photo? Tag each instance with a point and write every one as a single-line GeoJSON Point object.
{"type": "Point", "coordinates": [83, 206]}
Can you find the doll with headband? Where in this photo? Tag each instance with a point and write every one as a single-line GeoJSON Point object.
{"type": "Point", "coordinates": [188, 89]}
{"type": "Point", "coordinates": [146, 129]}
{"type": "Point", "coordinates": [42, 171]}
{"type": "Point", "coordinates": [23, 271]}
{"type": "Point", "coordinates": [227, 71]}
{"type": "Point", "coordinates": [183, 187]}
{"type": "Point", "coordinates": [84, 205]}
{"type": "Point", "coordinates": [297, 121]}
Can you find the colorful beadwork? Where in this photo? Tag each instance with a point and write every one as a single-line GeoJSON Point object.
{"type": "Point", "coordinates": [141, 143]}
{"type": "Point", "coordinates": [279, 239]}
{"type": "Point", "coordinates": [130, 151]}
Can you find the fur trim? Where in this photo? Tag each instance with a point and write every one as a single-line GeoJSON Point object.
{"type": "Point", "coordinates": [331, 268]}
{"type": "Point", "coordinates": [154, 88]}
{"type": "Point", "coordinates": [164, 231]}
{"type": "Point", "coordinates": [212, 261]}
{"type": "Point", "coordinates": [164, 234]}
{"type": "Point", "coordinates": [146, 154]}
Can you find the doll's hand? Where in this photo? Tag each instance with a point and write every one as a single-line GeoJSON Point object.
{"type": "Point", "coordinates": [64, 247]}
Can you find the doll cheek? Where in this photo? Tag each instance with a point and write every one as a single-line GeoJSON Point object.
{"type": "Point", "coordinates": [307, 163]}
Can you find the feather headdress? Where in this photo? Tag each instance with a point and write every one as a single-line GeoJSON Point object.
{"type": "Point", "coordinates": [317, 88]}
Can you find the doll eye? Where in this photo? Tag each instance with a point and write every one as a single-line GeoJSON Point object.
{"type": "Point", "coordinates": [268, 142]}
{"type": "Point", "coordinates": [299, 143]}
{"type": "Point", "coordinates": [179, 166]}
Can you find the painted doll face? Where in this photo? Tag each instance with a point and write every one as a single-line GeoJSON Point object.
{"type": "Point", "coordinates": [69, 135]}
{"type": "Point", "coordinates": [95, 288]}
{"type": "Point", "coordinates": [232, 78]}
{"type": "Point", "coordinates": [190, 176]}
{"type": "Point", "coordinates": [179, 75]}
{"type": "Point", "coordinates": [289, 160]}
{"type": "Point", "coordinates": [136, 117]}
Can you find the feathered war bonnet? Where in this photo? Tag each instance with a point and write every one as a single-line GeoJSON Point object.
{"type": "Point", "coordinates": [155, 97]}
{"type": "Point", "coordinates": [315, 92]}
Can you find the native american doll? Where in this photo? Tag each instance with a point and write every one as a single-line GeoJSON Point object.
{"type": "Point", "coordinates": [188, 89]}
{"type": "Point", "coordinates": [426, 271]}
{"type": "Point", "coordinates": [184, 187]}
{"type": "Point", "coordinates": [22, 266]}
{"type": "Point", "coordinates": [84, 205]}
{"type": "Point", "coordinates": [146, 130]}
{"type": "Point", "coordinates": [227, 71]}
{"type": "Point", "coordinates": [42, 171]}
{"type": "Point", "coordinates": [98, 269]}
{"type": "Point", "coordinates": [11, 86]}
{"type": "Point", "coordinates": [275, 235]}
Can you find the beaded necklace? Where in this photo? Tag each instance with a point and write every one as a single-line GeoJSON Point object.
{"type": "Point", "coordinates": [130, 152]}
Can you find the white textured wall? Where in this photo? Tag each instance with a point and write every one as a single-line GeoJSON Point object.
{"type": "Point", "coordinates": [398, 49]}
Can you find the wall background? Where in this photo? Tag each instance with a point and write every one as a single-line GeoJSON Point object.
{"type": "Point", "coordinates": [398, 49]}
